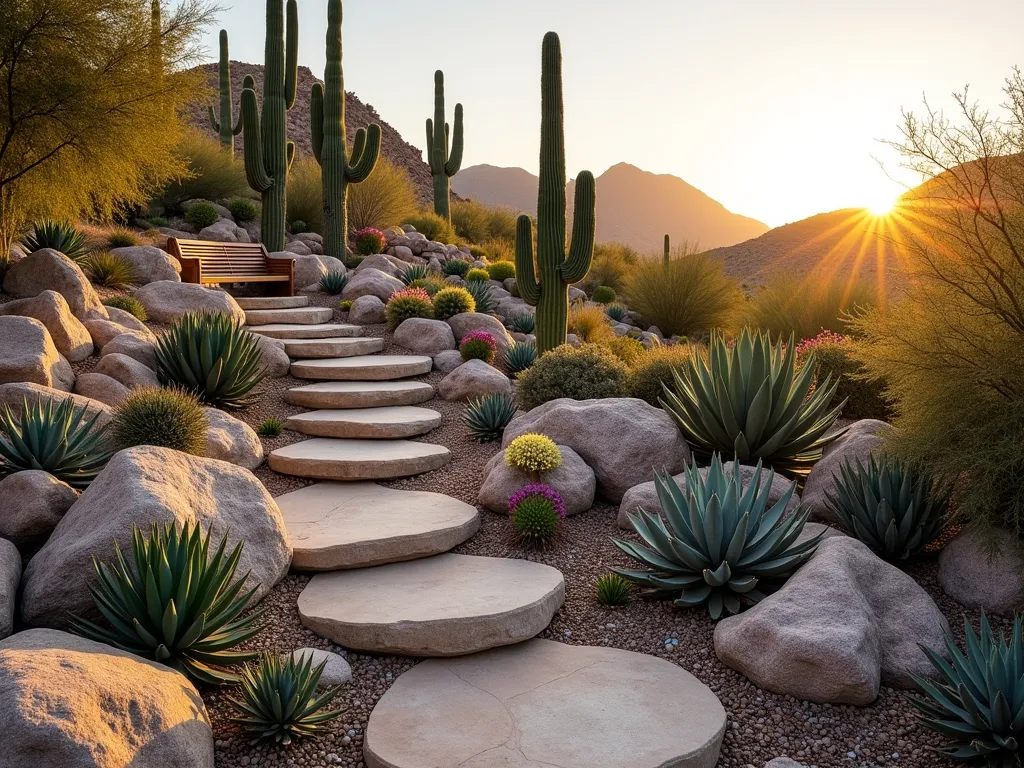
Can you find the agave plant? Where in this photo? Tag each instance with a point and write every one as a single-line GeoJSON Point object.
{"type": "Point", "coordinates": [54, 438]}
{"type": "Point", "coordinates": [174, 604]}
{"type": "Point", "coordinates": [212, 356]}
{"type": "Point", "coordinates": [486, 417]}
{"type": "Point", "coordinates": [616, 312]}
{"type": "Point", "coordinates": [978, 701]}
{"type": "Point", "coordinates": [334, 282]}
{"type": "Point", "coordinates": [520, 356]}
{"type": "Point", "coordinates": [748, 399]}
{"type": "Point", "coordinates": [718, 544]}
{"type": "Point", "coordinates": [481, 293]}
{"type": "Point", "coordinates": [279, 699]}
{"type": "Point", "coordinates": [523, 322]}
{"type": "Point", "coordinates": [412, 273]}
{"type": "Point", "coordinates": [61, 236]}
{"type": "Point", "coordinates": [895, 511]}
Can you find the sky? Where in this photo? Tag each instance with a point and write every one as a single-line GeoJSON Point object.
{"type": "Point", "coordinates": [775, 108]}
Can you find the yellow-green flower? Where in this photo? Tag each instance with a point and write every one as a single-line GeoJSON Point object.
{"type": "Point", "coordinates": [533, 453]}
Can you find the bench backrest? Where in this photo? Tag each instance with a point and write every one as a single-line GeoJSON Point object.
{"type": "Point", "coordinates": [222, 259]}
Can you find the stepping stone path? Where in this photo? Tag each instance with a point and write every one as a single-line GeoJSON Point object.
{"type": "Point", "coordinates": [363, 368]}
{"type": "Point", "coordinates": [543, 704]}
{"type": "Point", "coordinates": [360, 394]}
{"type": "Point", "coordinates": [395, 421]}
{"type": "Point", "coordinates": [294, 331]}
{"type": "Point", "coordinates": [331, 459]}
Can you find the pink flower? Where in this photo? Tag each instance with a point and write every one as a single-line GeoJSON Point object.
{"type": "Point", "coordinates": [410, 293]}
{"type": "Point", "coordinates": [478, 335]}
{"type": "Point", "coordinates": [538, 489]}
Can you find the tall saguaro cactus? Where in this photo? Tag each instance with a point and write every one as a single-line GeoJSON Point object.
{"type": "Point", "coordinates": [268, 152]}
{"type": "Point", "coordinates": [223, 126]}
{"type": "Point", "coordinates": [339, 169]}
{"type": "Point", "coordinates": [445, 161]}
{"type": "Point", "coordinates": [546, 287]}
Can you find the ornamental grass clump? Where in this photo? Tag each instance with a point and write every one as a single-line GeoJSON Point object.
{"type": "Point", "coordinates": [407, 303]}
{"type": "Point", "coordinates": [536, 512]}
{"type": "Point", "coordinates": [129, 304]}
{"type": "Point", "coordinates": [457, 267]}
{"type": "Point", "coordinates": [580, 373]}
{"type": "Point", "coordinates": [715, 543]}
{"type": "Point", "coordinates": [533, 454]}
{"type": "Point", "coordinates": [487, 416]}
{"type": "Point", "coordinates": [166, 418]}
{"type": "Point", "coordinates": [453, 301]}
{"type": "Point", "coordinates": [243, 209]}
{"type": "Point", "coordinates": [477, 274]}
{"type": "Point", "coordinates": [432, 285]}
{"type": "Point", "coordinates": [109, 270]}
{"type": "Point", "coordinates": [835, 356]}
{"type": "Point", "coordinates": [612, 590]}
{"type": "Point", "coordinates": [478, 345]}
{"type": "Point", "coordinates": [649, 374]}
{"type": "Point", "coordinates": [201, 215]}
{"type": "Point", "coordinates": [368, 241]}
{"type": "Point", "coordinates": [603, 294]}
{"type": "Point", "coordinates": [122, 237]}
{"type": "Point", "coordinates": [271, 427]}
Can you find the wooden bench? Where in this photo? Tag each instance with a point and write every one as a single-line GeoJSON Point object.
{"type": "Point", "coordinates": [209, 263]}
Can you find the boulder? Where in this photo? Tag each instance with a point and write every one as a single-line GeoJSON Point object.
{"type": "Point", "coordinates": [224, 231]}
{"type": "Point", "coordinates": [232, 440]}
{"type": "Point", "coordinates": [127, 370]}
{"type": "Point", "coordinates": [403, 252]}
{"type": "Point", "coordinates": [424, 337]}
{"type": "Point", "coordinates": [861, 439]}
{"type": "Point", "coordinates": [100, 386]}
{"type": "Point", "coordinates": [574, 480]}
{"type": "Point", "coordinates": [131, 322]}
{"type": "Point", "coordinates": [13, 395]}
{"type": "Point", "coordinates": [984, 570]}
{"type": "Point", "coordinates": [273, 356]}
{"type": "Point", "coordinates": [645, 495]}
{"type": "Point", "coordinates": [166, 301]}
{"type": "Point", "coordinates": [367, 310]}
{"type": "Point", "coordinates": [624, 440]}
{"type": "Point", "coordinates": [474, 321]}
{"type": "Point", "coordinates": [150, 263]}
{"type": "Point", "coordinates": [844, 624]}
{"type": "Point", "coordinates": [336, 672]}
{"type": "Point", "coordinates": [382, 263]}
{"type": "Point", "coordinates": [69, 336]}
{"type": "Point", "coordinates": [28, 355]}
{"type": "Point", "coordinates": [308, 268]}
{"type": "Point", "coordinates": [299, 248]}
{"type": "Point", "coordinates": [103, 332]}
{"type": "Point", "coordinates": [371, 282]}
{"type": "Point", "coordinates": [31, 504]}
{"type": "Point", "coordinates": [10, 577]}
{"type": "Point", "coordinates": [70, 702]}
{"type": "Point", "coordinates": [142, 486]}
{"type": "Point", "coordinates": [134, 346]}
{"type": "Point", "coordinates": [447, 361]}
{"type": "Point", "coordinates": [50, 270]}
{"type": "Point", "coordinates": [473, 379]}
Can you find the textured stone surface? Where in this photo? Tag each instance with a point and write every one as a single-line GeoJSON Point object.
{"type": "Point", "coordinates": [224, 231]}
{"type": "Point", "coordinates": [330, 459]}
{"type": "Point", "coordinates": [624, 440]}
{"type": "Point", "coordinates": [424, 337]}
{"type": "Point", "coordinates": [28, 355]}
{"type": "Point", "coordinates": [474, 321]}
{"type": "Point", "coordinates": [10, 577]}
{"type": "Point", "coordinates": [133, 346]}
{"type": "Point", "coordinates": [861, 439]}
{"type": "Point", "coordinates": [334, 526]}
{"type": "Point", "coordinates": [447, 361]}
{"type": "Point", "coordinates": [393, 422]}
{"type": "Point", "coordinates": [308, 268]}
{"type": "Point", "coordinates": [574, 480]}
{"type": "Point", "coordinates": [131, 322]}
{"type": "Point", "coordinates": [49, 270]}
{"type": "Point", "coordinates": [343, 346]}
{"type": "Point", "coordinates": [544, 703]}
{"type": "Point", "coordinates": [447, 605]}
{"type": "Point", "coordinates": [359, 394]}
{"type": "Point", "coordinates": [367, 310]}
{"type": "Point", "coordinates": [298, 316]}
{"type": "Point", "coordinates": [100, 386]}
{"type": "Point", "coordinates": [127, 370]}
{"type": "Point", "coordinates": [69, 336]}
{"type": "Point", "coordinates": [335, 672]}
{"type": "Point", "coordinates": [273, 356]}
{"type": "Point", "coordinates": [300, 331]}
{"type": "Point", "coordinates": [232, 440]}
{"type": "Point", "coordinates": [13, 395]}
{"type": "Point", "coordinates": [362, 368]}
{"type": "Point", "coordinates": [150, 264]}
{"type": "Point", "coordinates": [272, 302]}
{"type": "Point", "coordinates": [371, 282]}
{"type": "Point", "coordinates": [473, 379]}
{"type": "Point", "coordinates": [31, 504]}
{"type": "Point", "coordinates": [70, 702]}
{"type": "Point", "coordinates": [166, 301]}
{"type": "Point", "coordinates": [984, 571]}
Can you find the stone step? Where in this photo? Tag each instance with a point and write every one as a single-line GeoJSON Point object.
{"type": "Point", "coordinates": [365, 368]}
{"type": "Point", "coordinates": [296, 331]}
{"type": "Point", "coordinates": [335, 526]}
{"type": "Point", "coordinates": [272, 302]}
{"type": "Point", "coordinates": [359, 394]}
{"type": "Point", "coordinates": [563, 705]}
{"type": "Point", "coordinates": [367, 423]}
{"type": "Point", "coordinates": [325, 458]}
{"type": "Point", "coordinates": [299, 316]}
{"type": "Point", "coordinates": [351, 346]}
{"type": "Point", "coordinates": [447, 605]}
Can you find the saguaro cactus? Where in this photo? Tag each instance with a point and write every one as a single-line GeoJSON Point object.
{"type": "Point", "coordinates": [223, 126]}
{"type": "Point", "coordinates": [668, 249]}
{"type": "Point", "coordinates": [268, 152]}
{"type": "Point", "coordinates": [444, 162]}
{"type": "Point", "coordinates": [547, 287]}
{"type": "Point", "coordinates": [327, 113]}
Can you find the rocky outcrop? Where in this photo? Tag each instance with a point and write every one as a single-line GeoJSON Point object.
{"type": "Point", "coordinates": [28, 354]}
{"type": "Point", "coordinates": [166, 301]}
{"type": "Point", "coordinates": [69, 336]}
{"type": "Point", "coordinates": [371, 282]}
{"type": "Point", "coordinates": [367, 310]}
{"type": "Point", "coordinates": [31, 504]}
{"type": "Point", "coordinates": [308, 269]}
{"type": "Point", "coordinates": [424, 337]}
{"type": "Point", "coordinates": [99, 386]}
{"type": "Point", "coordinates": [474, 321]}
{"type": "Point", "coordinates": [150, 264]}
{"type": "Point", "coordinates": [133, 346]}
{"type": "Point", "coordinates": [127, 370]}
{"type": "Point", "coordinates": [13, 395]}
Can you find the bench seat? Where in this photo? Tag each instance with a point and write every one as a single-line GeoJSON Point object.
{"type": "Point", "coordinates": [210, 263]}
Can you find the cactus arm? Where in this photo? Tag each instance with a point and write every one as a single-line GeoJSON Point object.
{"type": "Point", "coordinates": [213, 119]}
{"type": "Point", "coordinates": [526, 277]}
{"type": "Point", "coordinates": [290, 152]}
{"type": "Point", "coordinates": [454, 163]}
{"type": "Point", "coordinates": [316, 119]}
{"type": "Point", "coordinates": [581, 248]}
{"type": "Point", "coordinates": [255, 171]}
{"type": "Point", "coordinates": [249, 82]}
{"type": "Point", "coordinates": [369, 151]}
{"type": "Point", "coordinates": [358, 147]}
{"type": "Point", "coordinates": [291, 67]}
{"type": "Point", "coordinates": [238, 126]}
{"type": "Point", "coordinates": [432, 157]}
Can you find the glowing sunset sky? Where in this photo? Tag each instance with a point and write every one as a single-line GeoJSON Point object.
{"type": "Point", "coordinates": [772, 107]}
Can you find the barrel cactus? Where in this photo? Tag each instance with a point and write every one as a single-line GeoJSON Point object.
{"type": "Point", "coordinates": [444, 149]}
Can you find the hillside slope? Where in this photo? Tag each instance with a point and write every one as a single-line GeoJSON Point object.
{"type": "Point", "coordinates": [491, 185]}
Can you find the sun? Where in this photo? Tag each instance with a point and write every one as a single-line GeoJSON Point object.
{"type": "Point", "coordinates": [883, 203]}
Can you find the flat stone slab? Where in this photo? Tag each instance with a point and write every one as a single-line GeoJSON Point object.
{"type": "Point", "coordinates": [298, 316]}
{"type": "Point", "coordinates": [367, 423]}
{"type": "Point", "coordinates": [447, 605]}
{"type": "Point", "coordinates": [337, 347]}
{"type": "Point", "coordinates": [272, 302]}
{"type": "Point", "coordinates": [363, 368]}
{"type": "Point", "coordinates": [359, 394]}
{"type": "Point", "coordinates": [544, 704]}
{"type": "Point", "coordinates": [297, 331]}
{"type": "Point", "coordinates": [336, 526]}
{"type": "Point", "coordinates": [325, 458]}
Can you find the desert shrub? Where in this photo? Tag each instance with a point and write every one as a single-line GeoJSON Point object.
{"type": "Point", "coordinates": [345, 306]}
{"type": "Point", "coordinates": [406, 303]}
{"type": "Point", "coordinates": [122, 237]}
{"type": "Point", "coordinates": [522, 322]}
{"type": "Point", "coordinates": [129, 304]}
{"type": "Point", "coordinates": [431, 226]}
{"type": "Point", "coordinates": [298, 226]}
{"type": "Point", "coordinates": [654, 369]}
{"type": "Point", "coordinates": [158, 221]}
{"type": "Point", "coordinates": [616, 312]}
{"type": "Point", "coordinates": [590, 324]}
{"type": "Point", "coordinates": [787, 305]}
{"type": "Point", "coordinates": [478, 345]}
{"type": "Point", "coordinates": [384, 200]}
{"type": "Point", "coordinates": [212, 173]}
{"type": "Point", "coordinates": [271, 427]}
{"type": "Point", "coordinates": [63, 236]}
{"type": "Point", "coordinates": [202, 215]}
{"type": "Point", "coordinates": [453, 301]}
{"type": "Point", "coordinates": [109, 270]}
{"type": "Point", "coordinates": [835, 357]}
{"type": "Point", "coordinates": [368, 241]}
{"type": "Point", "coordinates": [579, 373]}
{"type": "Point", "coordinates": [533, 453]}
{"type": "Point", "coordinates": [306, 195]}
{"type": "Point", "coordinates": [334, 282]}
{"type": "Point", "coordinates": [483, 299]}
{"type": "Point", "coordinates": [520, 356]}
{"type": "Point", "coordinates": [612, 264]}
{"type": "Point", "coordinates": [486, 417]}
{"type": "Point", "coordinates": [166, 418]}
{"type": "Point", "coordinates": [628, 349]}
{"type": "Point", "coordinates": [459, 267]}
{"type": "Point", "coordinates": [612, 589]}
{"type": "Point", "coordinates": [429, 284]}
{"type": "Point", "coordinates": [480, 223]}
{"type": "Point", "coordinates": [536, 513]}
{"type": "Point", "coordinates": [243, 209]}
{"type": "Point", "coordinates": [477, 274]}
{"type": "Point", "coordinates": [603, 294]}
{"type": "Point", "coordinates": [688, 296]}
{"type": "Point", "coordinates": [501, 270]}
{"type": "Point", "coordinates": [498, 251]}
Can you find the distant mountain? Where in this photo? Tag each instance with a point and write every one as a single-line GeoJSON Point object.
{"type": "Point", "coordinates": [633, 206]}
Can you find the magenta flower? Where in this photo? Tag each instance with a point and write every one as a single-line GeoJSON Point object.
{"type": "Point", "coordinates": [478, 335]}
{"type": "Point", "coordinates": [538, 489]}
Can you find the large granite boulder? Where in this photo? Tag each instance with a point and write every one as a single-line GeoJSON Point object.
{"type": "Point", "coordinates": [50, 270]}
{"type": "Point", "coordinates": [474, 321]}
{"type": "Point", "coordinates": [131, 322]}
{"type": "Point", "coordinates": [232, 440]}
{"type": "Point", "coordinates": [574, 480]}
{"type": "Point", "coordinates": [134, 346]}
{"type": "Point", "coordinates": [70, 702]}
{"type": "Point", "coordinates": [424, 337]}
{"type": "Point", "coordinates": [308, 268]}
{"type": "Point", "coordinates": [984, 570]}
{"type": "Point", "coordinates": [371, 282]}
{"type": "Point", "coordinates": [860, 440]}
{"type": "Point", "coordinates": [166, 301]}
{"type": "Point", "coordinates": [13, 395]}
{"type": "Point", "coordinates": [150, 263]}
{"type": "Point", "coordinates": [31, 504]}
{"type": "Point", "coordinates": [142, 486]}
{"type": "Point", "coordinates": [127, 370]}
{"type": "Point", "coordinates": [224, 231]}
{"type": "Point", "coordinates": [10, 577]}
{"type": "Point", "coordinates": [844, 624]}
{"type": "Point", "coordinates": [273, 358]}
{"type": "Point", "coordinates": [367, 310]}
{"type": "Point", "coordinates": [447, 361]}
{"type": "Point", "coordinates": [29, 355]}
{"type": "Point", "coordinates": [69, 336]}
{"type": "Point", "coordinates": [472, 379]}
{"type": "Point", "coordinates": [624, 440]}
{"type": "Point", "coordinates": [100, 386]}
{"type": "Point", "coordinates": [383, 263]}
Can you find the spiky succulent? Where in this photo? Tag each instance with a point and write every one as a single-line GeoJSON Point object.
{"type": "Point", "coordinates": [486, 417]}
{"type": "Point", "coordinates": [612, 589]}
{"type": "Point", "coordinates": [523, 322]}
{"type": "Point", "coordinates": [718, 544]}
{"type": "Point", "coordinates": [520, 356]}
{"type": "Point", "coordinates": [271, 427]}
{"type": "Point", "coordinates": [893, 509]}
{"type": "Point", "coordinates": [413, 272]}
{"type": "Point", "coordinates": [55, 438]}
{"type": "Point", "coordinates": [533, 452]}
{"type": "Point", "coordinates": [749, 400]}
{"type": "Point", "coordinates": [453, 301]}
{"type": "Point", "coordinates": [501, 270]}
{"type": "Point", "coordinates": [476, 273]}
{"type": "Point", "coordinates": [212, 356]}
{"type": "Point", "coordinates": [482, 297]}
{"type": "Point", "coordinates": [616, 311]}
{"type": "Point", "coordinates": [334, 282]}
{"type": "Point", "coordinates": [61, 236]}
{"type": "Point", "coordinates": [168, 417]}
{"type": "Point", "coordinates": [280, 699]}
{"type": "Point", "coordinates": [174, 604]}
{"type": "Point", "coordinates": [535, 517]}
{"type": "Point", "coordinates": [978, 700]}
{"type": "Point", "coordinates": [455, 267]}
